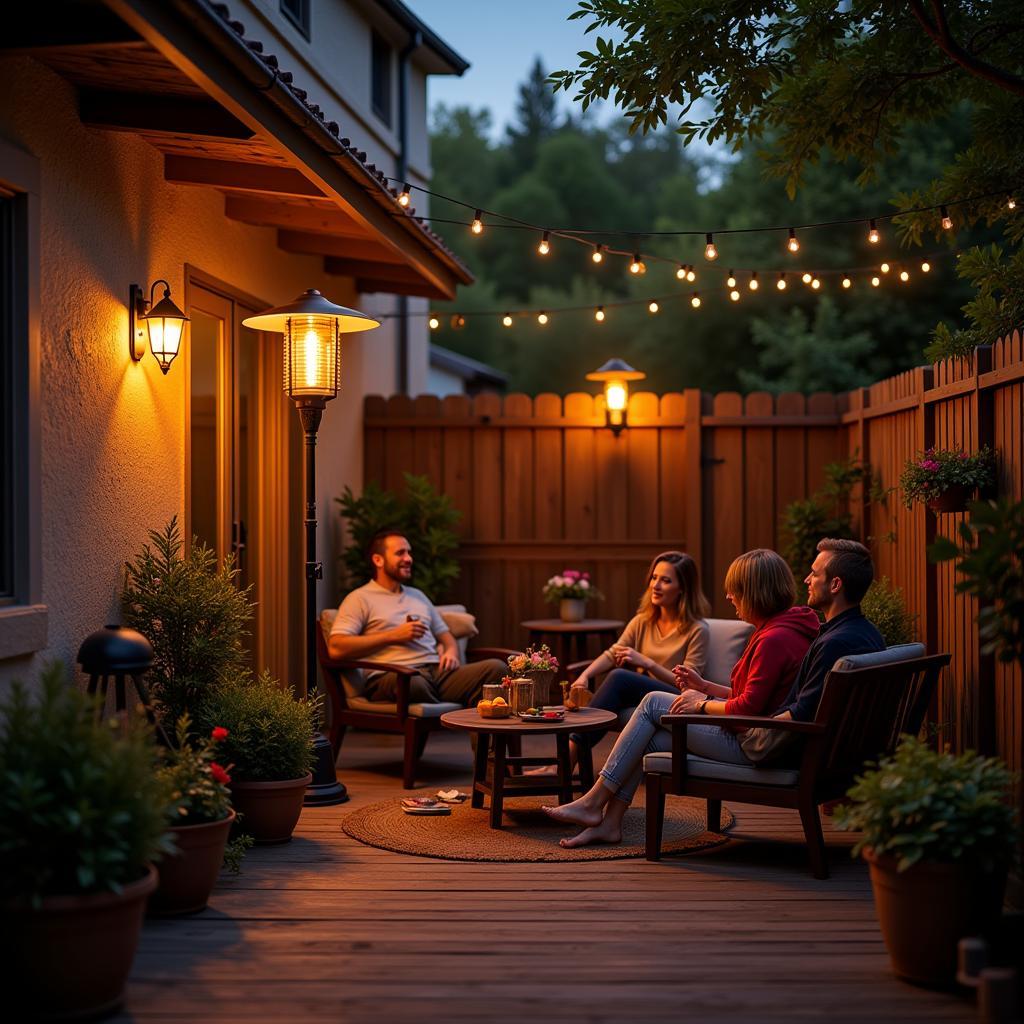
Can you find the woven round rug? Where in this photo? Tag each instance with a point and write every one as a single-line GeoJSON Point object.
{"type": "Point", "coordinates": [528, 834]}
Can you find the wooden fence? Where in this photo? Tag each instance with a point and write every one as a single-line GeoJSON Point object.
{"type": "Point", "coordinates": [544, 485]}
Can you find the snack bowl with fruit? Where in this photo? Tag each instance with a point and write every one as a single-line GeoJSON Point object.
{"type": "Point", "coordinates": [497, 708]}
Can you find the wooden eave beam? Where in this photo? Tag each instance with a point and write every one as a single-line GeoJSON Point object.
{"type": "Point", "coordinates": [270, 179]}
{"type": "Point", "coordinates": [37, 29]}
{"type": "Point", "coordinates": [323, 217]}
{"type": "Point", "coordinates": [159, 112]}
{"type": "Point", "coordinates": [345, 248]}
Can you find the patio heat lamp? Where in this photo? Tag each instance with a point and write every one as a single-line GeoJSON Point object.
{"type": "Point", "coordinates": [615, 375]}
{"type": "Point", "coordinates": [312, 327]}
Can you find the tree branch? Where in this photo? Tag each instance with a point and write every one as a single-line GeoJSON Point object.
{"type": "Point", "coordinates": [943, 39]}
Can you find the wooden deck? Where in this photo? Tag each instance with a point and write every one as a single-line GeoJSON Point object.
{"type": "Point", "coordinates": [325, 928]}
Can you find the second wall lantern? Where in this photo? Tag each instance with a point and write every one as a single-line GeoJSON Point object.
{"type": "Point", "coordinates": [615, 375]}
{"type": "Point", "coordinates": [162, 324]}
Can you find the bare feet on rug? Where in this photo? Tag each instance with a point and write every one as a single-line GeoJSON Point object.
{"type": "Point", "coordinates": [548, 769]}
{"type": "Point", "coordinates": [606, 832]}
{"type": "Point", "coordinates": [576, 813]}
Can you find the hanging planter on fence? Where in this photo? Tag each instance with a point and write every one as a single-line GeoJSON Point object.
{"type": "Point", "coordinates": [952, 500]}
{"type": "Point", "coordinates": [946, 479]}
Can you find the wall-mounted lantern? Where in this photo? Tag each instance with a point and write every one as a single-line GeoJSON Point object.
{"type": "Point", "coordinates": [163, 322]}
{"type": "Point", "coordinates": [615, 375]}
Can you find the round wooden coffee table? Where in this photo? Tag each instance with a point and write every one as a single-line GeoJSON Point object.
{"type": "Point", "coordinates": [508, 733]}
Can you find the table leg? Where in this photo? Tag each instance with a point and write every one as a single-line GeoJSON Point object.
{"type": "Point", "coordinates": [476, 798]}
{"type": "Point", "coordinates": [498, 784]}
{"type": "Point", "coordinates": [585, 760]}
{"type": "Point", "coordinates": [564, 768]}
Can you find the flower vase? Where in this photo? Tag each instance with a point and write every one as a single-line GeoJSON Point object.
{"type": "Point", "coordinates": [572, 609]}
{"type": "Point", "coordinates": [542, 681]}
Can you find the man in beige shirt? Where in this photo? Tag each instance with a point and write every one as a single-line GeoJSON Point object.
{"type": "Point", "coordinates": [388, 621]}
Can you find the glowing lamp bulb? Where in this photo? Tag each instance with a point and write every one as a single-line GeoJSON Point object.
{"type": "Point", "coordinates": [904, 276]}
{"type": "Point", "coordinates": [434, 323]}
{"type": "Point", "coordinates": [754, 283]}
{"type": "Point", "coordinates": [730, 281]}
{"type": "Point", "coordinates": [815, 284]}
{"type": "Point", "coordinates": [873, 235]}
{"type": "Point", "coordinates": [681, 273]}
{"type": "Point", "coordinates": [947, 221]}
{"type": "Point", "coordinates": [691, 275]}
{"type": "Point", "coordinates": [806, 278]}
{"type": "Point", "coordinates": [884, 268]}
{"type": "Point", "coordinates": [615, 395]}
{"type": "Point", "coordinates": [1011, 203]}
{"type": "Point", "coordinates": [403, 197]}
{"type": "Point", "coordinates": [599, 314]}
{"type": "Point", "coordinates": [597, 256]}
{"type": "Point", "coordinates": [695, 301]}
{"type": "Point", "coordinates": [637, 266]}
{"type": "Point", "coordinates": [875, 281]}
{"type": "Point", "coordinates": [793, 245]}
{"type": "Point", "coordinates": [653, 307]}
{"type": "Point", "coordinates": [545, 244]}
{"type": "Point", "coordinates": [477, 227]}
{"type": "Point", "coordinates": [542, 318]}
{"type": "Point", "coordinates": [846, 281]}
{"type": "Point", "coordinates": [710, 252]}
{"type": "Point", "coordinates": [925, 267]}
{"type": "Point", "coordinates": [781, 283]}
{"type": "Point", "coordinates": [506, 320]}
{"type": "Point", "coordinates": [734, 295]}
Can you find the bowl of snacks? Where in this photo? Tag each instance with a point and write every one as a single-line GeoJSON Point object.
{"type": "Point", "coordinates": [497, 708]}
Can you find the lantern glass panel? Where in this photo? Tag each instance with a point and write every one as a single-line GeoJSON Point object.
{"type": "Point", "coordinates": [311, 357]}
{"type": "Point", "coordinates": [164, 337]}
{"type": "Point", "coordinates": [615, 395]}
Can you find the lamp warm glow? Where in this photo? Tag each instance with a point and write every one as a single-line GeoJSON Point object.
{"type": "Point", "coordinates": [615, 375]}
{"type": "Point", "coordinates": [164, 325]}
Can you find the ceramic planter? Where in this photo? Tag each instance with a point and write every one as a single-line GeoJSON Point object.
{"type": "Point", "coordinates": [923, 913]}
{"type": "Point", "coordinates": [269, 811]}
{"type": "Point", "coordinates": [952, 500]}
{"type": "Point", "coordinates": [188, 876]}
{"type": "Point", "coordinates": [71, 957]}
{"type": "Point", "coordinates": [572, 609]}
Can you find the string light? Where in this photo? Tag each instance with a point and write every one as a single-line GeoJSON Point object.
{"type": "Point", "coordinates": [734, 295]}
{"type": "Point", "coordinates": [434, 323]}
{"type": "Point", "coordinates": [947, 221]}
{"type": "Point", "coordinates": [846, 281]}
{"type": "Point", "coordinates": [403, 197]}
{"type": "Point", "coordinates": [637, 266]}
{"type": "Point", "coordinates": [597, 255]}
{"type": "Point", "coordinates": [904, 276]}
{"type": "Point", "coordinates": [730, 281]}
{"type": "Point", "coordinates": [695, 300]}
{"type": "Point", "coordinates": [545, 243]}
{"type": "Point", "coordinates": [925, 267]}
{"type": "Point", "coordinates": [653, 307]}
{"type": "Point", "coordinates": [507, 320]}
{"type": "Point", "coordinates": [691, 274]}
{"type": "Point", "coordinates": [793, 245]}
{"type": "Point", "coordinates": [681, 272]}
{"type": "Point", "coordinates": [884, 268]}
{"type": "Point", "coordinates": [477, 227]}
{"type": "Point", "coordinates": [873, 235]}
{"type": "Point", "coordinates": [710, 252]}
{"type": "Point", "coordinates": [806, 277]}
{"type": "Point", "coordinates": [458, 321]}
{"type": "Point", "coordinates": [815, 284]}
{"type": "Point", "coordinates": [781, 283]}
{"type": "Point", "coordinates": [754, 283]}
{"type": "Point", "coordinates": [1011, 203]}
{"type": "Point", "coordinates": [875, 281]}
{"type": "Point", "coordinates": [542, 318]}
{"type": "Point", "coordinates": [599, 314]}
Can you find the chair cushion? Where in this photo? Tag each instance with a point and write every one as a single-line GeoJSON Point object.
{"type": "Point", "coordinates": [901, 652]}
{"type": "Point", "coordinates": [383, 707]}
{"type": "Point", "coordinates": [701, 768]}
{"type": "Point", "coordinates": [726, 640]}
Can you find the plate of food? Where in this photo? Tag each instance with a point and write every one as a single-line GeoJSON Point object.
{"type": "Point", "coordinates": [542, 715]}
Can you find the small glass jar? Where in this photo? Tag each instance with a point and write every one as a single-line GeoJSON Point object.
{"type": "Point", "coordinates": [521, 695]}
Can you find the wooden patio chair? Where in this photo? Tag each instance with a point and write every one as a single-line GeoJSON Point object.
{"type": "Point", "coordinates": [343, 684]}
{"type": "Point", "coordinates": [867, 702]}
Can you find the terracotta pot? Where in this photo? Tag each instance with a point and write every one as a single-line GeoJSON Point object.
{"type": "Point", "coordinates": [926, 910]}
{"type": "Point", "coordinates": [572, 609]}
{"type": "Point", "coordinates": [952, 500]}
{"type": "Point", "coordinates": [269, 811]}
{"type": "Point", "coordinates": [188, 876]}
{"type": "Point", "coordinates": [70, 958]}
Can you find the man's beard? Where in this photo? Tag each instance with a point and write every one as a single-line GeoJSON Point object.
{"type": "Point", "coordinates": [397, 574]}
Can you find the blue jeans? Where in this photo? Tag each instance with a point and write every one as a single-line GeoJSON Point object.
{"type": "Point", "coordinates": [621, 689]}
{"type": "Point", "coordinates": [623, 771]}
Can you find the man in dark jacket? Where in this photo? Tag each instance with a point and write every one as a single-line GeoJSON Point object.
{"type": "Point", "coordinates": [836, 584]}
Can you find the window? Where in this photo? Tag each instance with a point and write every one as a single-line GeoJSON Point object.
{"type": "Point", "coordinates": [380, 79]}
{"type": "Point", "coordinates": [297, 12]}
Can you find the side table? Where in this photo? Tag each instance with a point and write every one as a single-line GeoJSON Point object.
{"type": "Point", "coordinates": [566, 635]}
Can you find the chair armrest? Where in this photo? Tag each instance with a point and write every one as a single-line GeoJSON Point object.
{"type": "Point", "coordinates": [403, 674]}
{"type": "Point", "coordinates": [577, 666]}
{"type": "Point", "coordinates": [745, 722]}
{"type": "Point", "coordinates": [480, 653]}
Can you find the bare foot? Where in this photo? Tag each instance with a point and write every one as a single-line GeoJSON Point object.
{"type": "Point", "coordinates": [548, 769]}
{"type": "Point", "coordinates": [603, 833]}
{"type": "Point", "coordinates": [576, 813]}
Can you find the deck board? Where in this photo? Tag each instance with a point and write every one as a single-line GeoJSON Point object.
{"type": "Point", "coordinates": [328, 928]}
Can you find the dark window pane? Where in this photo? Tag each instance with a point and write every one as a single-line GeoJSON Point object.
{"type": "Point", "coordinates": [380, 79]}
{"type": "Point", "coordinates": [297, 12]}
{"type": "Point", "coordinates": [7, 402]}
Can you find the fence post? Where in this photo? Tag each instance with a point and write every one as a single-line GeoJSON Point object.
{"type": "Point", "coordinates": [923, 376]}
{"type": "Point", "coordinates": [984, 429]}
{"type": "Point", "coordinates": [694, 474]}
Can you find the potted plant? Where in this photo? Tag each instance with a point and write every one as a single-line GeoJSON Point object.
{"type": "Point", "coordinates": [938, 835]}
{"type": "Point", "coordinates": [944, 479]}
{"type": "Point", "coordinates": [269, 743]}
{"type": "Point", "coordinates": [82, 818]}
{"type": "Point", "coordinates": [192, 612]}
{"type": "Point", "coordinates": [571, 590]}
{"type": "Point", "coordinates": [538, 664]}
{"type": "Point", "coordinates": [200, 817]}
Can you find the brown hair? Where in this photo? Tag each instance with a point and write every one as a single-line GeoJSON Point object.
{"type": "Point", "coordinates": [761, 583]}
{"type": "Point", "coordinates": [692, 604]}
{"type": "Point", "coordinates": [851, 562]}
{"type": "Point", "coordinates": [379, 544]}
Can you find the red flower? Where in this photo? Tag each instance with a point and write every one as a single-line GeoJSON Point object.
{"type": "Point", "coordinates": [219, 734]}
{"type": "Point", "coordinates": [219, 774]}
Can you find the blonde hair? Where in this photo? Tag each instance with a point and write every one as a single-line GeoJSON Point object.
{"type": "Point", "coordinates": [691, 604]}
{"type": "Point", "coordinates": [761, 584]}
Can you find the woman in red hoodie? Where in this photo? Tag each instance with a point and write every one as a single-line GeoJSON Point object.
{"type": "Point", "coordinates": [760, 586]}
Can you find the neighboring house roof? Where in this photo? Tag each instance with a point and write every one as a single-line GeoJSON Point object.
{"type": "Point", "coordinates": [472, 371]}
{"type": "Point", "coordinates": [183, 75]}
{"type": "Point", "coordinates": [446, 60]}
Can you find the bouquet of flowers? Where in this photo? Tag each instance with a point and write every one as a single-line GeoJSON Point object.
{"type": "Point", "coordinates": [533, 660]}
{"type": "Point", "coordinates": [196, 782]}
{"type": "Point", "coordinates": [572, 584]}
{"type": "Point", "coordinates": [933, 472]}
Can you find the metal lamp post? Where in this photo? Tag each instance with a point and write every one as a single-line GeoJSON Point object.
{"type": "Point", "coordinates": [312, 327]}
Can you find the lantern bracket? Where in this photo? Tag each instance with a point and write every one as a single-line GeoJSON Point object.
{"type": "Point", "coordinates": [138, 307]}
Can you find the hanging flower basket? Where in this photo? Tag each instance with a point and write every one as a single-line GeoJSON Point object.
{"type": "Point", "coordinates": [946, 479]}
{"type": "Point", "coordinates": [952, 500]}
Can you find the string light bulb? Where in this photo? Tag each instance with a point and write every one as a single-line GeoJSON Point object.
{"type": "Point", "coordinates": [542, 318]}
{"type": "Point", "coordinates": [597, 255]}
{"type": "Point", "coordinates": [681, 272]}
{"type": "Point", "coordinates": [545, 243]}
{"type": "Point", "coordinates": [806, 277]}
{"type": "Point", "coordinates": [793, 245]}
{"type": "Point", "coordinates": [1011, 203]}
{"type": "Point", "coordinates": [925, 267]}
{"type": "Point", "coordinates": [754, 284]}
{"type": "Point", "coordinates": [904, 276]}
{"type": "Point", "coordinates": [506, 320]}
{"type": "Point", "coordinates": [875, 281]}
{"type": "Point", "coordinates": [458, 321]}
{"type": "Point", "coordinates": [734, 295]}
{"type": "Point", "coordinates": [710, 251]}
{"type": "Point", "coordinates": [433, 323]}
{"type": "Point", "coordinates": [477, 227]}
{"type": "Point", "coordinates": [653, 307]}
{"type": "Point", "coordinates": [403, 197]}
{"type": "Point", "coordinates": [637, 266]}
{"type": "Point", "coordinates": [781, 283]}
{"type": "Point", "coordinates": [599, 314]}
{"type": "Point", "coordinates": [947, 221]}
{"type": "Point", "coordinates": [695, 300]}
{"type": "Point", "coordinates": [815, 284]}
{"type": "Point", "coordinates": [691, 274]}
{"type": "Point", "coordinates": [873, 235]}
{"type": "Point", "coordinates": [730, 281]}
{"type": "Point", "coordinates": [884, 268]}
{"type": "Point", "coordinates": [846, 281]}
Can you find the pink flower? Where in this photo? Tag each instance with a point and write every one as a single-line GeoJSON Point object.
{"type": "Point", "coordinates": [962, 455]}
{"type": "Point", "coordinates": [585, 584]}
{"type": "Point", "coordinates": [930, 464]}
{"type": "Point", "coordinates": [535, 657]}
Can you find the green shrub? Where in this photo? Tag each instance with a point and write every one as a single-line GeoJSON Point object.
{"type": "Point", "coordinates": [884, 606]}
{"type": "Point", "coordinates": [192, 613]}
{"type": "Point", "coordinates": [194, 777]}
{"type": "Point", "coordinates": [921, 804]}
{"type": "Point", "coordinates": [427, 519]}
{"type": "Point", "coordinates": [81, 807]}
{"type": "Point", "coordinates": [270, 733]}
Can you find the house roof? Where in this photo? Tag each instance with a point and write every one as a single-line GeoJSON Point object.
{"type": "Point", "coordinates": [470, 370]}
{"type": "Point", "coordinates": [184, 75]}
